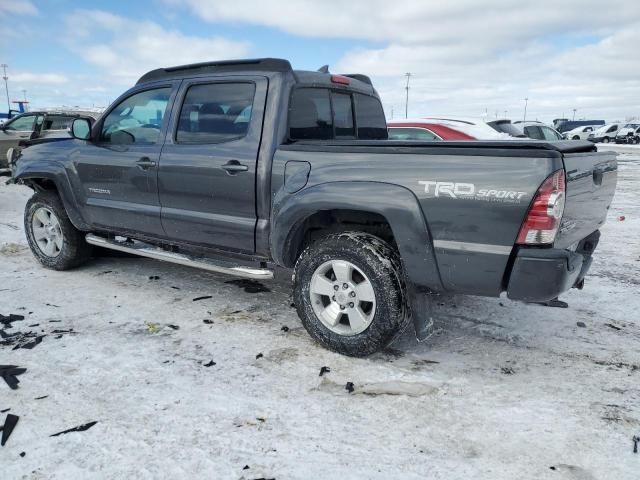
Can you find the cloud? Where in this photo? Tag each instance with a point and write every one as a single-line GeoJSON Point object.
{"type": "Point", "coordinates": [26, 78]}
{"type": "Point", "coordinates": [469, 58]}
{"type": "Point", "coordinates": [123, 49]}
{"type": "Point", "coordinates": [17, 7]}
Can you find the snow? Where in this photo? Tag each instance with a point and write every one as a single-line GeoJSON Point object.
{"type": "Point", "coordinates": [502, 390]}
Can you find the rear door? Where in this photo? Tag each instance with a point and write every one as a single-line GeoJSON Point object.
{"type": "Point", "coordinates": [207, 173]}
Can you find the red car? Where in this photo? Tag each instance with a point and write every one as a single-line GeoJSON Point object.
{"type": "Point", "coordinates": [424, 131]}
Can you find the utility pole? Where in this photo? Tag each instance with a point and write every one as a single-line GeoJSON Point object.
{"type": "Point", "coordinates": [526, 101]}
{"type": "Point", "coordinates": [391, 112]}
{"type": "Point", "coordinates": [505, 114]}
{"type": "Point", "coordinates": [574, 114]}
{"type": "Point", "coordinates": [6, 85]}
{"type": "Point", "coordinates": [406, 105]}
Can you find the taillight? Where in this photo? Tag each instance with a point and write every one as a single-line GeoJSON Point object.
{"type": "Point", "coordinates": [544, 216]}
{"type": "Point", "coordinates": [340, 79]}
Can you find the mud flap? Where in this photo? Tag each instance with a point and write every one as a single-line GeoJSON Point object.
{"type": "Point", "coordinates": [421, 313]}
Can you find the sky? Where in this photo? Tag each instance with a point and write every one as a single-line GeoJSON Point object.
{"type": "Point", "coordinates": [466, 58]}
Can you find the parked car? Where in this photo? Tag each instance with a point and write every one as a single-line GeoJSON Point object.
{"type": "Point", "coordinates": [33, 125]}
{"type": "Point", "coordinates": [424, 131]}
{"type": "Point", "coordinates": [579, 133]}
{"type": "Point", "coordinates": [238, 167]}
{"type": "Point", "coordinates": [539, 131]}
{"type": "Point", "coordinates": [626, 133]}
{"type": "Point", "coordinates": [605, 134]}
{"type": "Point", "coordinates": [477, 129]}
{"type": "Point", "coordinates": [505, 126]}
{"type": "Point", "coordinates": [636, 136]}
{"type": "Point", "coordinates": [564, 126]}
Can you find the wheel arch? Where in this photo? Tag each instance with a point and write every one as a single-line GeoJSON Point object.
{"type": "Point", "coordinates": [45, 181]}
{"type": "Point", "coordinates": [388, 211]}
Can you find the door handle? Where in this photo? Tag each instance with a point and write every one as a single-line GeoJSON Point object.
{"type": "Point", "coordinates": [234, 166]}
{"type": "Point", "coordinates": [145, 162]}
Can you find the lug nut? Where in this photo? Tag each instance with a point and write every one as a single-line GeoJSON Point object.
{"type": "Point", "coordinates": [352, 294]}
{"type": "Point", "coordinates": [333, 298]}
{"type": "Point", "coordinates": [345, 286]}
{"type": "Point", "coordinates": [341, 307]}
{"type": "Point", "coordinates": [351, 305]}
{"type": "Point", "coordinates": [336, 287]}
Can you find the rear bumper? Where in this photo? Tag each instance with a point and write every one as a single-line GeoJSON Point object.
{"type": "Point", "coordinates": [539, 275]}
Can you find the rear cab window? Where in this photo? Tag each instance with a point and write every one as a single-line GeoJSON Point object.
{"type": "Point", "coordinates": [317, 113]}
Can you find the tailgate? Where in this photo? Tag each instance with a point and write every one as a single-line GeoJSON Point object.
{"type": "Point", "coordinates": [591, 182]}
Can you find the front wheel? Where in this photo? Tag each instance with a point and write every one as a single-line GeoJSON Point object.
{"type": "Point", "coordinates": [349, 292]}
{"type": "Point", "coordinates": [53, 239]}
{"type": "Point", "coordinates": [605, 140]}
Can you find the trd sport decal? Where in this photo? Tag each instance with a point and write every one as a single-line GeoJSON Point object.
{"type": "Point", "coordinates": [469, 191]}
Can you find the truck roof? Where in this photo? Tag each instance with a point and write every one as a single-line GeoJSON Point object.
{"type": "Point", "coordinates": [277, 65]}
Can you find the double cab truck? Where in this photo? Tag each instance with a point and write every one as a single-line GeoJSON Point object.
{"type": "Point", "coordinates": [243, 166]}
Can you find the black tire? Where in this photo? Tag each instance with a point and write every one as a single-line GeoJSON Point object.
{"type": "Point", "coordinates": [75, 250]}
{"type": "Point", "coordinates": [605, 140]}
{"type": "Point", "coordinates": [576, 137]}
{"type": "Point", "coordinates": [381, 264]}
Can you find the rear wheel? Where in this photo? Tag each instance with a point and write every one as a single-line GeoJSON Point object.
{"type": "Point", "coordinates": [576, 137]}
{"type": "Point", "coordinates": [53, 239]}
{"type": "Point", "coordinates": [349, 293]}
{"type": "Point", "coordinates": [605, 140]}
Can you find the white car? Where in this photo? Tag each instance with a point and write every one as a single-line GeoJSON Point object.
{"type": "Point", "coordinates": [580, 133]}
{"type": "Point", "coordinates": [626, 133]}
{"type": "Point", "coordinates": [539, 131]}
{"type": "Point", "coordinates": [605, 134]}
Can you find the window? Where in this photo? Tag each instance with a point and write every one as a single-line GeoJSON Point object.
{"type": "Point", "coordinates": [613, 128]}
{"type": "Point", "coordinates": [21, 124]}
{"type": "Point", "coordinates": [372, 125]}
{"type": "Point", "coordinates": [534, 132]}
{"type": "Point", "coordinates": [137, 119]}
{"type": "Point", "coordinates": [58, 122]}
{"type": "Point", "coordinates": [549, 134]}
{"type": "Point", "coordinates": [411, 133]}
{"type": "Point", "coordinates": [310, 114]}
{"type": "Point", "coordinates": [343, 114]}
{"type": "Point", "coordinates": [215, 113]}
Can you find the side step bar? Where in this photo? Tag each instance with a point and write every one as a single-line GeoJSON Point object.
{"type": "Point", "coordinates": [150, 251]}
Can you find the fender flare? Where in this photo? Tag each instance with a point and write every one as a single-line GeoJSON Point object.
{"type": "Point", "coordinates": [64, 189]}
{"type": "Point", "coordinates": [397, 204]}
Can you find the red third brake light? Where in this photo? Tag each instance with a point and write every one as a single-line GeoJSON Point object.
{"type": "Point", "coordinates": [544, 216]}
{"type": "Point", "coordinates": [340, 79]}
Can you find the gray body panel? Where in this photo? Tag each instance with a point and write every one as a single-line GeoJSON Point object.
{"type": "Point", "coordinates": [454, 208]}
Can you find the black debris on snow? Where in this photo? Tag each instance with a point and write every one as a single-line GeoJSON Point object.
{"type": "Point", "coordinates": [9, 424]}
{"type": "Point", "coordinates": [349, 387]}
{"type": "Point", "coordinates": [205, 297]}
{"type": "Point", "coordinates": [6, 320]}
{"type": "Point", "coordinates": [324, 370]}
{"type": "Point", "coordinates": [210, 364]}
{"type": "Point", "coordinates": [9, 373]}
{"type": "Point", "coordinates": [259, 356]}
{"type": "Point", "coordinates": [81, 428]}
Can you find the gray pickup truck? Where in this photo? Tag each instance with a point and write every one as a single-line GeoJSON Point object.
{"type": "Point", "coordinates": [241, 166]}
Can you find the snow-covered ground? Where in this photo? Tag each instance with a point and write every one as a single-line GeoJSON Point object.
{"type": "Point", "coordinates": [503, 390]}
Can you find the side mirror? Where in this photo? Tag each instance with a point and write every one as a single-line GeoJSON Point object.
{"type": "Point", "coordinates": [81, 129]}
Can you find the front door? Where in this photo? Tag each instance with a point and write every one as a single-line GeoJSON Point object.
{"type": "Point", "coordinates": [20, 128]}
{"type": "Point", "coordinates": [208, 164]}
{"type": "Point", "coordinates": [118, 168]}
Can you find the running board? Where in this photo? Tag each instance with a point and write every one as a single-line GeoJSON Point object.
{"type": "Point", "coordinates": [150, 251]}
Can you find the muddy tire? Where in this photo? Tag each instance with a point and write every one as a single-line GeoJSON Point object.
{"type": "Point", "coordinates": [53, 239]}
{"type": "Point", "coordinates": [349, 292]}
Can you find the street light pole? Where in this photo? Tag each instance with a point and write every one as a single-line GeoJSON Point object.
{"type": "Point", "coordinates": [406, 105]}
{"type": "Point", "coordinates": [526, 101]}
{"type": "Point", "coordinates": [6, 86]}
{"type": "Point", "coordinates": [574, 114]}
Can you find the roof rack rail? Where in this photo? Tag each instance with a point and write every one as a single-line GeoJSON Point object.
{"type": "Point", "coordinates": [360, 77]}
{"type": "Point", "coordinates": [255, 64]}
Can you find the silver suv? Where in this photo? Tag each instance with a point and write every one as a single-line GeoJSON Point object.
{"type": "Point", "coordinates": [32, 125]}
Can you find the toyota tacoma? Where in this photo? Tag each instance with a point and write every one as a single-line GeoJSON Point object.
{"type": "Point", "coordinates": [242, 166]}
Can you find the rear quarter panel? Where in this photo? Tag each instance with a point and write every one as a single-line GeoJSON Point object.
{"type": "Point", "coordinates": [466, 196]}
